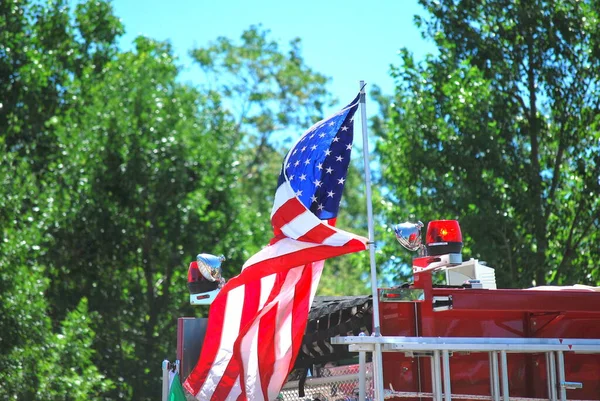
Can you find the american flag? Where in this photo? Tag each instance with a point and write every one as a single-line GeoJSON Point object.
{"type": "Point", "coordinates": [257, 321]}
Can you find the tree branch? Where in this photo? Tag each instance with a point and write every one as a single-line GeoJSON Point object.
{"type": "Point", "coordinates": [567, 254]}
{"type": "Point", "coordinates": [556, 170]}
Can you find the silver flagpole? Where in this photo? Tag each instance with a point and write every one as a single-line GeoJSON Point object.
{"type": "Point", "coordinates": [377, 357]}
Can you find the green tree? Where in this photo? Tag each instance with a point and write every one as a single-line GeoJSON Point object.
{"type": "Point", "coordinates": [500, 130]}
{"type": "Point", "coordinates": [154, 159]}
{"type": "Point", "coordinates": [40, 54]}
{"type": "Point", "coordinates": [114, 176]}
{"type": "Point", "coordinates": [37, 361]}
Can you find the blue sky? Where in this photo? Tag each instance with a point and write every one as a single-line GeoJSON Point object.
{"type": "Point", "coordinates": [347, 40]}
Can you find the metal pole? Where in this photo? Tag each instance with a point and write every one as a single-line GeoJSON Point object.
{"type": "Point", "coordinates": [362, 375]}
{"type": "Point", "coordinates": [165, 380]}
{"type": "Point", "coordinates": [504, 363]}
{"type": "Point", "coordinates": [491, 370]}
{"type": "Point", "coordinates": [363, 116]}
{"type": "Point", "coordinates": [377, 357]}
{"type": "Point", "coordinates": [495, 375]}
{"type": "Point", "coordinates": [433, 379]}
{"type": "Point", "coordinates": [552, 377]}
{"type": "Point", "coordinates": [561, 375]}
{"type": "Point", "coordinates": [447, 383]}
{"type": "Point", "coordinates": [438, 375]}
{"type": "Point", "coordinates": [547, 354]}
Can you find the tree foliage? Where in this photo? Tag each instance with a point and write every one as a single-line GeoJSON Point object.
{"type": "Point", "coordinates": [114, 176]}
{"type": "Point", "coordinates": [500, 130]}
{"type": "Point", "coordinates": [42, 357]}
{"type": "Point", "coordinates": [270, 92]}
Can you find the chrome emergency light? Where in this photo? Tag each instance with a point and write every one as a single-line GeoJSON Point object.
{"type": "Point", "coordinates": [210, 266]}
{"type": "Point", "coordinates": [204, 278]}
{"type": "Point", "coordinates": [409, 236]}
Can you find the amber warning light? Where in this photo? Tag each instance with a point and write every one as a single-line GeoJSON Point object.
{"type": "Point", "coordinates": [443, 236]}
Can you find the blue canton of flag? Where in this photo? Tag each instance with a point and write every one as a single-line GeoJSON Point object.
{"type": "Point", "coordinates": [316, 166]}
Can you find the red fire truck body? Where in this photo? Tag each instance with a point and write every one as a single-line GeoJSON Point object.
{"type": "Point", "coordinates": [463, 339]}
{"type": "Point", "coordinates": [492, 313]}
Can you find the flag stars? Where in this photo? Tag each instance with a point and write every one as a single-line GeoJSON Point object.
{"type": "Point", "coordinates": [309, 166]}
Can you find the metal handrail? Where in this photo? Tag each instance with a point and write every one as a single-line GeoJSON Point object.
{"type": "Point", "coordinates": [496, 347]}
{"type": "Point", "coordinates": [473, 344]}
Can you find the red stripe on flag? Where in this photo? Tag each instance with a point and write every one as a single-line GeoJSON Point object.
{"type": "Point", "coordinates": [300, 311]}
{"type": "Point", "coordinates": [227, 381]}
{"type": "Point", "coordinates": [210, 347]}
{"type": "Point", "coordinates": [295, 304]}
{"type": "Point", "coordinates": [291, 209]}
{"type": "Point", "coordinates": [250, 307]}
{"type": "Point", "coordinates": [318, 234]}
{"type": "Point", "coordinates": [260, 315]}
{"type": "Point", "coordinates": [266, 350]}
{"type": "Point", "coordinates": [274, 339]}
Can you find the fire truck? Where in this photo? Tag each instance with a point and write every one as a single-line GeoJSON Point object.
{"type": "Point", "coordinates": [450, 333]}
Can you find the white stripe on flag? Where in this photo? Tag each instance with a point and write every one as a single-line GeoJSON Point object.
{"type": "Point", "coordinates": [316, 276]}
{"type": "Point", "coordinates": [282, 247]}
{"type": "Point", "coordinates": [248, 349]}
{"type": "Point", "coordinates": [283, 362]}
{"type": "Point", "coordinates": [299, 226]}
{"type": "Point", "coordinates": [337, 239]}
{"type": "Point", "coordinates": [231, 326]}
{"type": "Point", "coordinates": [282, 195]}
{"type": "Point", "coordinates": [266, 286]}
{"type": "Point", "coordinates": [283, 337]}
{"type": "Point", "coordinates": [235, 392]}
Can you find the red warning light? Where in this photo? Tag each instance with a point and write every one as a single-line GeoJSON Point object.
{"type": "Point", "coordinates": [443, 236]}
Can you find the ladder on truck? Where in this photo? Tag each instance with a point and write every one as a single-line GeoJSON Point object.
{"type": "Point", "coordinates": [439, 350]}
